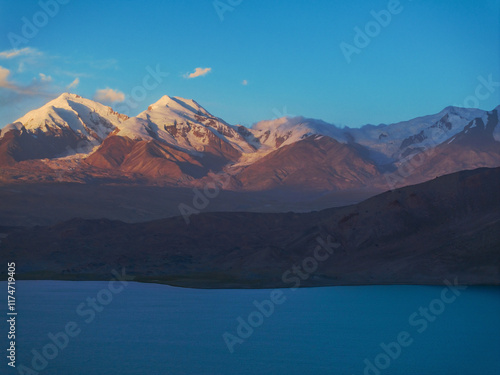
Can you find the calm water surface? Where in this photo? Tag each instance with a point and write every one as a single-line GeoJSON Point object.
{"type": "Point", "coordinates": [156, 329]}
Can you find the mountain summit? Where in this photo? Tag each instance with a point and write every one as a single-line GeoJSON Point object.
{"type": "Point", "coordinates": [185, 124]}
{"type": "Point", "coordinates": [66, 125]}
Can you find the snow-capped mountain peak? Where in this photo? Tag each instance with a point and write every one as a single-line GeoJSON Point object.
{"type": "Point", "coordinates": [90, 120]}
{"type": "Point", "coordinates": [177, 105]}
{"type": "Point", "coordinates": [287, 130]}
{"type": "Point", "coordinates": [78, 124]}
{"type": "Point", "coordinates": [184, 124]}
{"type": "Point", "coordinates": [388, 143]}
{"type": "Point", "coordinates": [178, 130]}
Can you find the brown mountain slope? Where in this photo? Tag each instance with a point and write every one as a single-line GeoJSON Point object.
{"type": "Point", "coordinates": [151, 159]}
{"type": "Point", "coordinates": [422, 234]}
{"type": "Point", "coordinates": [315, 163]}
{"type": "Point", "coordinates": [155, 159]}
{"type": "Point", "coordinates": [19, 145]}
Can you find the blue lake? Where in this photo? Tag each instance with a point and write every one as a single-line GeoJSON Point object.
{"type": "Point", "coordinates": [153, 329]}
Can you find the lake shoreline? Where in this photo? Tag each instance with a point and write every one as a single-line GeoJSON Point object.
{"type": "Point", "coordinates": [194, 283]}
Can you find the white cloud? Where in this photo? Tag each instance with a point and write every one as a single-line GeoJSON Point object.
{"type": "Point", "coordinates": [36, 87]}
{"type": "Point", "coordinates": [13, 92]}
{"type": "Point", "coordinates": [244, 82]}
{"type": "Point", "coordinates": [108, 95]}
{"type": "Point", "coordinates": [74, 84]}
{"type": "Point", "coordinates": [45, 78]}
{"type": "Point", "coordinates": [198, 72]}
{"type": "Point", "coordinates": [26, 51]}
{"type": "Point", "coordinates": [25, 57]}
{"type": "Point", "coordinates": [4, 75]}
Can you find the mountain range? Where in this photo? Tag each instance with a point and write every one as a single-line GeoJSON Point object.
{"type": "Point", "coordinates": [177, 195]}
{"type": "Point", "coordinates": [178, 143]}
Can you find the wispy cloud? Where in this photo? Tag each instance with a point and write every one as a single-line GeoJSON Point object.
{"type": "Point", "coordinates": [16, 87]}
{"type": "Point", "coordinates": [26, 58]}
{"type": "Point", "coordinates": [198, 72]}
{"type": "Point", "coordinates": [244, 82]}
{"type": "Point", "coordinates": [4, 78]}
{"type": "Point", "coordinates": [45, 78]}
{"type": "Point", "coordinates": [73, 84]}
{"type": "Point", "coordinates": [37, 87]}
{"type": "Point", "coordinates": [13, 53]}
{"type": "Point", "coordinates": [109, 95]}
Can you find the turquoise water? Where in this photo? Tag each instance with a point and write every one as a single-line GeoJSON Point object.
{"type": "Point", "coordinates": [156, 329]}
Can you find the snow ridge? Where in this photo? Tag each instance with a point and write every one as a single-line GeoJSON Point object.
{"type": "Point", "coordinates": [92, 122]}
{"type": "Point", "coordinates": [186, 125]}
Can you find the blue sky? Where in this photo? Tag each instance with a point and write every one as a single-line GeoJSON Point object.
{"type": "Point", "coordinates": [261, 59]}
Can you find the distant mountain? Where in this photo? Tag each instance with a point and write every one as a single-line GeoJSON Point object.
{"type": "Point", "coordinates": [446, 228]}
{"type": "Point", "coordinates": [477, 145]}
{"type": "Point", "coordinates": [177, 142]}
{"type": "Point", "coordinates": [175, 139]}
{"type": "Point", "coordinates": [395, 142]}
{"type": "Point", "coordinates": [288, 130]}
{"type": "Point", "coordinates": [398, 154]}
{"type": "Point", "coordinates": [318, 162]}
{"type": "Point", "coordinates": [65, 126]}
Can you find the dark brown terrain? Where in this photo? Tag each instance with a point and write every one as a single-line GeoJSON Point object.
{"type": "Point", "coordinates": [29, 204]}
{"type": "Point", "coordinates": [446, 228]}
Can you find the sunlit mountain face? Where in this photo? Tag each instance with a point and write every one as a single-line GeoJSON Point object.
{"type": "Point", "coordinates": [177, 142]}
